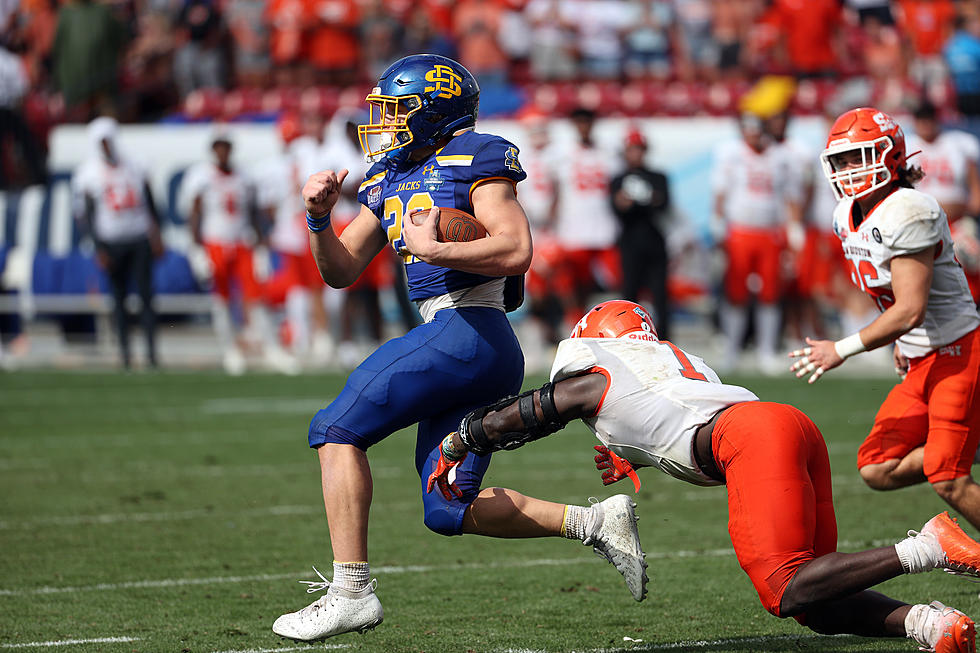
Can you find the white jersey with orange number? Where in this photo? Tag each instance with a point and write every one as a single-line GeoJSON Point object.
{"type": "Point", "coordinates": [904, 223]}
{"type": "Point", "coordinates": [755, 185]}
{"type": "Point", "coordinates": [944, 162]}
{"type": "Point", "coordinates": [656, 397]}
{"type": "Point", "coordinates": [225, 197]}
{"type": "Point", "coordinates": [121, 213]}
{"type": "Point", "coordinates": [585, 217]}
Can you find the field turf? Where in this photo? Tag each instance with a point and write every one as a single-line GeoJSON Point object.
{"type": "Point", "coordinates": [175, 512]}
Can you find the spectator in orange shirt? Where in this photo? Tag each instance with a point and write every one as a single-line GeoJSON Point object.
{"type": "Point", "coordinates": [333, 40]}
{"type": "Point", "coordinates": [808, 35]}
{"type": "Point", "coordinates": [927, 24]}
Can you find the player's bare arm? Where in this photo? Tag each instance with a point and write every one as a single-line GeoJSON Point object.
{"type": "Point", "coordinates": [911, 279]}
{"type": "Point", "coordinates": [194, 219]}
{"type": "Point", "coordinates": [506, 250]}
{"type": "Point", "coordinates": [340, 259]}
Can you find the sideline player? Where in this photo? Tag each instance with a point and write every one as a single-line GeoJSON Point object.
{"type": "Point", "coordinates": [464, 355]}
{"type": "Point", "coordinates": [899, 250]}
{"type": "Point", "coordinates": [653, 404]}
{"type": "Point", "coordinates": [756, 196]}
{"type": "Point", "coordinates": [223, 207]}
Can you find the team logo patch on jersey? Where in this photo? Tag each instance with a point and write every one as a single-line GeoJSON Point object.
{"type": "Point", "coordinates": [374, 197]}
{"type": "Point", "coordinates": [445, 80]}
{"type": "Point", "coordinates": [876, 235]}
{"type": "Point", "coordinates": [510, 159]}
{"type": "Point", "coordinates": [433, 178]}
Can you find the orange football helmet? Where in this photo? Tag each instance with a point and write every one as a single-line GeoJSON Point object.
{"type": "Point", "coordinates": [881, 144]}
{"type": "Point", "coordinates": [617, 318]}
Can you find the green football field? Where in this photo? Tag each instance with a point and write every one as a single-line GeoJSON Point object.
{"type": "Point", "coordinates": [175, 512]}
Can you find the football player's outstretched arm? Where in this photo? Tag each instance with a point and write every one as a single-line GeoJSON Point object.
{"type": "Point", "coordinates": [515, 421]}
{"type": "Point", "coordinates": [911, 279]}
{"type": "Point", "coordinates": [506, 250]}
{"type": "Point", "coordinates": [340, 259]}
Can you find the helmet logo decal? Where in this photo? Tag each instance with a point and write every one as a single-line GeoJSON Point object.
{"type": "Point", "coordinates": [446, 80]}
{"type": "Point", "coordinates": [883, 121]}
{"type": "Point", "coordinates": [510, 159]}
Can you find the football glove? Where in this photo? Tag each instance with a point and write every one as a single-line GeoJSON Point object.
{"type": "Point", "coordinates": [440, 477]}
{"type": "Point", "coordinates": [614, 468]}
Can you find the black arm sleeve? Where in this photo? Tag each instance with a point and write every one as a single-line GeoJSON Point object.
{"type": "Point", "coordinates": [532, 415]}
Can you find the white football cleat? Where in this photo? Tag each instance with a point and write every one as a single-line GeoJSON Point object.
{"type": "Point", "coordinates": [617, 539]}
{"type": "Point", "coordinates": [336, 612]}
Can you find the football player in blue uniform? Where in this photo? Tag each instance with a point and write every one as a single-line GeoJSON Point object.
{"type": "Point", "coordinates": [465, 354]}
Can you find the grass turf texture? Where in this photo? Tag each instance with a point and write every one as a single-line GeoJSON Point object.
{"type": "Point", "coordinates": [180, 509]}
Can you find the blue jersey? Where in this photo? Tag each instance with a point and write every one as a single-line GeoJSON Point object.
{"type": "Point", "coordinates": [445, 179]}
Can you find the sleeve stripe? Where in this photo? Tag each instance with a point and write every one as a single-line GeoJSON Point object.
{"type": "Point", "coordinates": [455, 160]}
{"type": "Point", "coordinates": [371, 181]}
{"type": "Point", "coordinates": [486, 179]}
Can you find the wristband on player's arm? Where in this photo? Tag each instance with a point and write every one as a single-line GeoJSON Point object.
{"type": "Point", "coordinates": [317, 224]}
{"type": "Point", "coordinates": [847, 347]}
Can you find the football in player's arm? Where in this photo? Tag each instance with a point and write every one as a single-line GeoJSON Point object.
{"type": "Point", "coordinates": [898, 246]}
{"type": "Point", "coordinates": [651, 403]}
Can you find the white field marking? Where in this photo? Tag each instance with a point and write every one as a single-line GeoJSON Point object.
{"type": "Point", "coordinates": [72, 642]}
{"type": "Point", "coordinates": [280, 405]}
{"type": "Point", "coordinates": [160, 516]}
{"type": "Point", "coordinates": [399, 569]}
{"type": "Point", "coordinates": [308, 647]}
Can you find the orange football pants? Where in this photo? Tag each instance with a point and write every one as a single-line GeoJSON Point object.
{"type": "Point", "coordinates": [780, 502]}
{"type": "Point", "coordinates": [937, 405]}
{"type": "Point", "coordinates": [233, 262]}
{"type": "Point", "coordinates": [756, 251]}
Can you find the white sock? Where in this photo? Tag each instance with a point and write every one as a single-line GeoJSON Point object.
{"type": "Point", "coordinates": [221, 321]}
{"type": "Point", "coordinates": [921, 625]}
{"type": "Point", "coordinates": [768, 323]}
{"type": "Point", "coordinates": [298, 314]}
{"type": "Point", "coordinates": [352, 576]}
{"type": "Point", "coordinates": [734, 320]}
{"type": "Point", "coordinates": [920, 552]}
{"type": "Point", "coordinates": [579, 522]}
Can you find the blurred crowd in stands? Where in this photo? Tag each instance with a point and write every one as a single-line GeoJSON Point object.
{"type": "Point", "coordinates": [142, 60]}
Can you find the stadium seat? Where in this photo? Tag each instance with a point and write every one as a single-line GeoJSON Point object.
{"type": "Point", "coordinates": [204, 104]}
{"type": "Point", "coordinates": [322, 100]}
{"type": "Point", "coordinates": [172, 274]}
{"type": "Point", "coordinates": [47, 274]}
{"type": "Point", "coordinates": [81, 275]}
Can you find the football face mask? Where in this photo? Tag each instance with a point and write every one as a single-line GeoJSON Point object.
{"type": "Point", "coordinates": [857, 169]}
{"type": "Point", "coordinates": [387, 128]}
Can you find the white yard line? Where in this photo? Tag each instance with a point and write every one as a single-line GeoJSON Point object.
{"type": "Point", "coordinates": [399, 569]}
{"type": "Point", "coordinates": [72, 642]}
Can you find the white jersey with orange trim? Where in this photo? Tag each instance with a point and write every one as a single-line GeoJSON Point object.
{"type": "Point", "coordinates": [121, 213]}
{"type": "Point", "coordinates": [585, 217]}
{"type": "Point", "coordinates": [944, 162]}
{"type": "Point", "coordinates": [756, 185]}
{"type": "Point", "coordinates": [538, 190]}
{"type": "Point", "coordinates": [656, 397]}
{"type": "Point", "coordinates": [225, 198]}
{"type": "Point", "coordinates": [907, 222]}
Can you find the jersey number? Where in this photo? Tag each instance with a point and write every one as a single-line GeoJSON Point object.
{"type": "Point", "coordinates": [394, 211]}
{"type": "Point", "coordinates": [861, 273]}
{"type": "Point", "coordinates": [687, 369]}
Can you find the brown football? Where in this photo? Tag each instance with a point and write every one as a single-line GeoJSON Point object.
{"type": "Point", "coordinates": [454, 225]}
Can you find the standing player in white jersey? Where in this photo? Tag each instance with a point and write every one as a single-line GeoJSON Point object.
{"type": "Point", "coordinates": [297, 281]}
{"type": "Point", "coordinates": [653, 404]}
{"type": "Point", "coordinates": [756, 197]}
{"type": "Point", "coordinates": [949, 159]}
{"type": "Point", "coordinates": [899, 250]}
{"type": "Point", "coordinates": [224, 221]}
{"type": "Point", "coordinates": [585, 225]}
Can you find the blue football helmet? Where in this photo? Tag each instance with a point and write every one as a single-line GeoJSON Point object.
{"type": "Point", "coordinates": [419, 100]}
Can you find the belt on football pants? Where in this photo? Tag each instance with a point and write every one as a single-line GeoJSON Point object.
{"type": "Point", "coordinates": [705, 459]}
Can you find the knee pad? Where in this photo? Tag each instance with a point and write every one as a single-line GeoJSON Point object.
{"type": "Point", "coordinates": [443, 517]}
